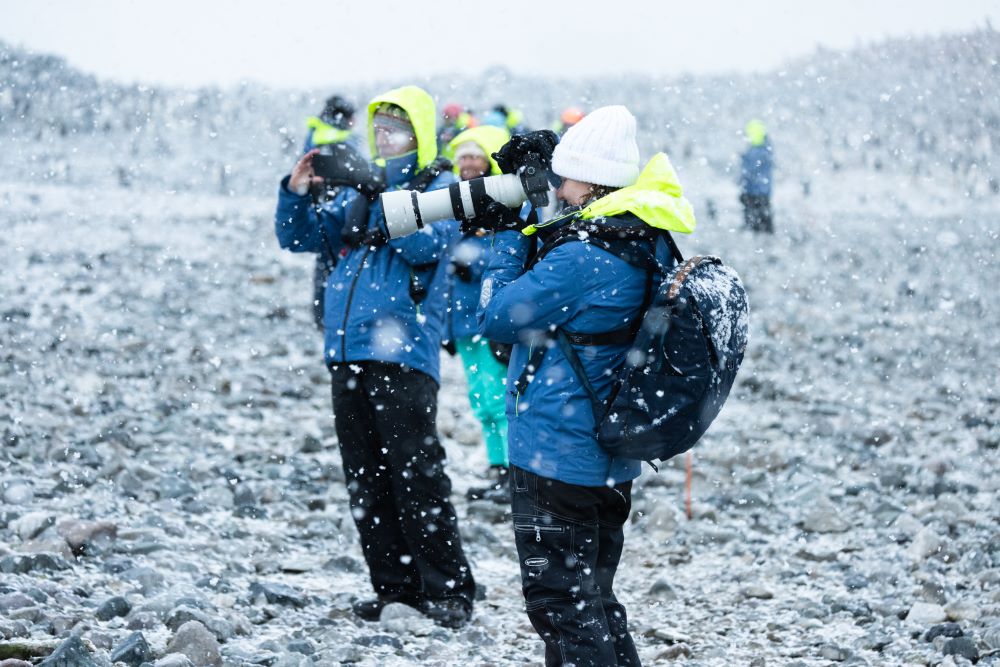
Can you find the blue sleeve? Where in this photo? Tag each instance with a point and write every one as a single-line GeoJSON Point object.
{"type": "Point", "coordinates": [427, 246]}
{"type": "Point", "coordinates": [514, 301]}
{"type": "Point", "coordinates": [298, 226]}
{"type": "Point", "coordinates": [471, 252]}
{"type": "Point", "coordinates": [430, 244]}
{"type": "Point", "coordinates": [478, 268]}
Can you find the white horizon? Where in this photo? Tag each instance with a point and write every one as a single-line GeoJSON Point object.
{"type": "Point", "coordinates": [229, 43]}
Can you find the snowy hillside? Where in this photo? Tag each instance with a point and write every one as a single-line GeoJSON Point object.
{"type": "Point", "coordinates": [920, 107]}
{"type": "Point", "coordinates": [168, 452]}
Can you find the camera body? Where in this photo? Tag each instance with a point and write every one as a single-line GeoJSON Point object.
{"type": "Point", "coordinates": [536, 178]}
{"type": "Point", "coordinates": [342, 165]}
{"type": "Point", "coordinates": [408, 211]}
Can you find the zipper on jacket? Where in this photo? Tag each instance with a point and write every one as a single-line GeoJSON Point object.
{"type": "Point", "coordinates": [350, 298]}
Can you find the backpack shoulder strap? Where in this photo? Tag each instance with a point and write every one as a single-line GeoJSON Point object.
{"type": "Point", "coordinates": [581, 373]}
{"type": "Point", "coordinates": [624, 335]}
{"type": "Point", "coordinates": [674, 250]}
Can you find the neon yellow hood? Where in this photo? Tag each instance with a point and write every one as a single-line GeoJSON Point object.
{"type": "Point", "coordinates": [419, 106]}
{"type": "Point", "coordinates": [756, 132]}
{"type": "Point", "coordinates": [324, 133]}
{"type": "Point", "coordinates": [489, 138]}
{"type": "Point", "coordinates": [656, 198]}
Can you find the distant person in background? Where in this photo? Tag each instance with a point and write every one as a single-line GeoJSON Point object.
{"type": "Point", "coordinates": [567, 119]}
{"type": "Point", "coordinates": [513, 119]}
{"type": "Point", "coordinates": [334, 125]}
{"type": "Point", "coordinates": [484, 372]}
{"type": "Point", "coordinates": [756, 167]}
{"type": "Point", "coordinates": [454, 119]}
{"type": "Point", "coordinates": [494, 118]}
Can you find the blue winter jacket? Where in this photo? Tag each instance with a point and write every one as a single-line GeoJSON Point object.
{"type": "Point", "coordinates": [582, 289]}
{"type": "Point", "coordinates": [369, 314]}
{"type": "Point", "coordinates": [469, 256]}
{"type": "Point", "coordinates": [756, 166]}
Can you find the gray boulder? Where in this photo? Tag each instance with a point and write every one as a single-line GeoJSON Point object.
{"type": "Point", "coordinates": [71, 653]}
{"type": "Point", "coordinates": [133, 651]}
{"type": "Point", "coordinates": [40, 562]}
{"type": "Point", "coordinates": [278, 594]}
{"type": "Point", "coordinates": [112, 608]}
{"type": "Point", "coordinates": [195, 641]}
{"type": "Point", "coordinates": [964, 647]}
{"type": "Point", "coordinates": [174, 660]}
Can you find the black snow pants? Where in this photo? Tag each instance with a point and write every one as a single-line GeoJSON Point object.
{"type": "Point", "coordinates": [569, 540]}
{"type": "Point", "coordinates": [394, 467]}
{"type": "Point", "coordinates": [757, 213]}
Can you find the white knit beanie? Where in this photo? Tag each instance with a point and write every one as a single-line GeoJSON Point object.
{"type": "Point", "coordinates": [600, 149]}
{"type": "Point", "coordinates": [470, 148]}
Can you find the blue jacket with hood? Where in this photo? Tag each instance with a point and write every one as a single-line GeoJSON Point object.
{"type": "Point", "coordinates": [370, 314]}
{"type": "Point", "coordinates": [471, 250]}
{"type": "Point", "coordinates": [471, 253]}
{"type": "Point", "coordinates": [579, 288]}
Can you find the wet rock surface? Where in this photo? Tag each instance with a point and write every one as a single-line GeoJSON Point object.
{"type": "Point", "coordinates": [133, 651]}
{"type": "Point", "coordinates": [170, 445]}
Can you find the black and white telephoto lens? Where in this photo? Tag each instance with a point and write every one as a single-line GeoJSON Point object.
{"type": "Point", "coordinates": [407, 211]}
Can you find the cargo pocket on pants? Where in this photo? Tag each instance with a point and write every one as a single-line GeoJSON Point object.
{"type": "Point", "coordinates": [547, 558]}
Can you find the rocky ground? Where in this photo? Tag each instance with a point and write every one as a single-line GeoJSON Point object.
{"type": "Point", "coordinates": [171, 484]}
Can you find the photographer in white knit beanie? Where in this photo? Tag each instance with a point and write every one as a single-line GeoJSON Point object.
{"type": "Point", "coordinates": [597, 155]}
{"type": "Point", "coordinates": [569, 496]}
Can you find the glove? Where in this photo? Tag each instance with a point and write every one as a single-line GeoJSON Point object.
{"type": "Point", "coordinates": [495, 217]}
{"type": "Point", "coordinates": [541, 143]}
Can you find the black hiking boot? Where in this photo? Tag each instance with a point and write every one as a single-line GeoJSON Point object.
{"type": "Point", "coordinates": [371, 610]}
{"type": "Point", "coordinates": [450, 613]}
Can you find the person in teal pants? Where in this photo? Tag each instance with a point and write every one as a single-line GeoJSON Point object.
{"type": "Point", "coordinates": [486, 375]}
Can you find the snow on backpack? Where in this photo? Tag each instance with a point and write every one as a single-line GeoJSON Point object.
{"type": "Point", "coordinates": [685, 350]}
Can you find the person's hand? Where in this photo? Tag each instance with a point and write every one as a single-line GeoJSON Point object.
{"type": "Point", "coordinates": [511, 155]}
{"type": "Point", "coordinates": [303, 176]}
{"type": "Point", "coordinates": [494, 216]}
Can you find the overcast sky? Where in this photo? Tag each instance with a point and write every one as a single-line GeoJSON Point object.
{"type": "Point", "coordinates": [306, 44]}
